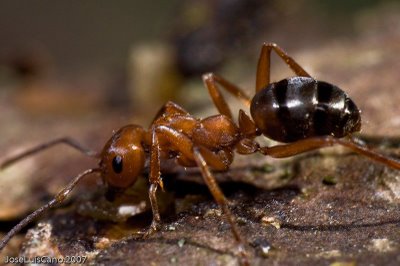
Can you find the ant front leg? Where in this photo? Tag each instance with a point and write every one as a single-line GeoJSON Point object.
{"type": "Point", "coordinates": [68, 141]}
{"type": "Point", "coordinates": [182, 143]}
{"type": "Point", "coordinates": [211, 80]}
{"type": "Point", "coordinates": [169, 109]}
{"type": "Point", "coordinates": [264, 65]}
{"type": "Point", "coordinates": [155, 181]}
{"type": "Point", "coordinates": [290, 149]}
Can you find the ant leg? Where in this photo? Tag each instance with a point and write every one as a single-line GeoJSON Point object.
{"type": "Point", "coordinates": [211, 80]}
{"type": "Point", "coordinates": [219, 160]}
{"type": "Point", "coordinates": [155, 181]}
{"type": "Point", "coordinates": [264, 65]}
{"type": "Point", "coordinates": [170, 108]}
{"type": "Point", "coordinates": [58, 199]}
{"type": "Point", "coordinates": [181, 143]}
{"type": "Point", "coordinates": [286, 150]}
{"type": "Point", "coordinates": [156, 222]}
{"type": "Point", "coordinates": [68, 141]}
{"type": "Point", "coordinates": [219, 197]}
{"type": "Point", "coordinates": [246, 126]}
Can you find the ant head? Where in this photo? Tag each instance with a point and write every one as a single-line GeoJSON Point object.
{"type": "Point", "coordinates": [123, 157]}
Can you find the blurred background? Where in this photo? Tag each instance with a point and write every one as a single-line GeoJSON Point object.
{"type": "Point", "coordinates": [93, 57]}
{"type": "Point", "coordinates": [87, 68]}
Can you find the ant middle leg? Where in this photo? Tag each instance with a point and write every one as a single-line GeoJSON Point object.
{"type": "Point", "coordinates": [68, 141]}
{"type": "Point", "coordinates": [219, 197]}
{"type": "Point", "coordinates": [290, 149]}
{"type": "Point", "coordinates": [211, 80]}
{"type": "Point", "coordinates": [264, 65]}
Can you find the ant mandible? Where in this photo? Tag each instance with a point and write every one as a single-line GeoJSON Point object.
{"type": "Point", "coordinates": [300, 111]}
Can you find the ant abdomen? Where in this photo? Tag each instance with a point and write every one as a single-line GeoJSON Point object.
{"type": "Point", "coordinates": [301, 107]}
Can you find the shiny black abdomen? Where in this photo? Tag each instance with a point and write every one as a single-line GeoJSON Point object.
{"type": "Point", "coordinates": [302, 107]}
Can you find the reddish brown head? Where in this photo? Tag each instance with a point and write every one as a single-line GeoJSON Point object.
{"type": "Point", "coordinates": [123, 157]}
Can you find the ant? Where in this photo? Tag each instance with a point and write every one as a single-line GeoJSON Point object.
{"type": "Point", "coordinates": [301, 112]}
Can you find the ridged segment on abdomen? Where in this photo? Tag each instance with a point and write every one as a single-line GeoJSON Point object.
{"type": "Point", "coordinates": [301, 107]}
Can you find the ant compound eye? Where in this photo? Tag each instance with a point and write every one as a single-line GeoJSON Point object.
{"type": "Point", "coordinates": [117, 164]}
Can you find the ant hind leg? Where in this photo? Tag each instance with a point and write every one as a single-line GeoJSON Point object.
{"type": "Point", "coordinates": [290, 149]}
{"type": "Point", "coordinates": [264, 65]}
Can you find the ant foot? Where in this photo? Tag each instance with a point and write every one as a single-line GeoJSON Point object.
{"type": "Point", "coordinates": [243, 256]}
{"type": "Point", "coordinates": [154, 227]}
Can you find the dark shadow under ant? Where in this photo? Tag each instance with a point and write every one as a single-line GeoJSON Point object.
{"type": "Point", "coordinates": [300, 111]}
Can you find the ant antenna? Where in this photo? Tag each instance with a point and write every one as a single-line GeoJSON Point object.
{"type": "Point", "coordinates": [68, 141]}
{"type": "Point", "coordinates": [58, 199]}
